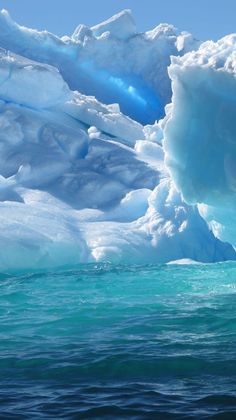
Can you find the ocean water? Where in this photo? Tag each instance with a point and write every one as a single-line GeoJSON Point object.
{"type": "Point", "coordinates": [106, 341]}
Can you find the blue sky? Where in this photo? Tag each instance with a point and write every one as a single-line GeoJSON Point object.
{"type": "Point", "coordinates": [204, 18]}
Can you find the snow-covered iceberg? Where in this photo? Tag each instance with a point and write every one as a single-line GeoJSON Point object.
{"type": "Point", "coordinates": [200, 132]}
{"type": "Point", "coordinates": [80, 181]}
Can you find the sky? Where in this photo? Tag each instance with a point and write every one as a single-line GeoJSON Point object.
{"type": "Point", "coordinates": [206, 19]}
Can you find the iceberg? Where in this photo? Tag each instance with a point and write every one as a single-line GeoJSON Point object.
{"type": "Point", "coordinates": [81, 178]}
{"type": "Point", "coordinates": [200, 132]}
{"type": "Point", "coordinates": [110, 61]}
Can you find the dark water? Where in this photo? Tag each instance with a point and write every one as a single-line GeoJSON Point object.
{"type": "Point", "coordinates": [119, 342]}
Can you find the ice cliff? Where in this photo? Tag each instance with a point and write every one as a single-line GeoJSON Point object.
{"type": "Point", "coordinates": [81, 178]}
{"type": "Point", "coordinates": [200, 132]}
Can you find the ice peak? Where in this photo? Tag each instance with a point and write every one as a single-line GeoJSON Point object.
{"type": "Point", "coordinates": [81, 32]}
{"type": "Point", "coordinates": [120, 26]}
{"type": "Point", "coordinates": [163, 29]}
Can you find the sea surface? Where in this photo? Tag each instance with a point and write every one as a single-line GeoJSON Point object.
{"type": "Point", "coordinates": [116, 342]}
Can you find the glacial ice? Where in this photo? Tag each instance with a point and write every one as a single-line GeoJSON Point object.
{"type": "Point", "coordinates": [80, 180]}
{"type": "Point", "coordinates": [20, 77]}
{"type": "Point", "coordinates": [109, 61]}
{"type": "Point", "coordinates": [120, 26]}
{"type": "Point", "coordinates": [200, 132]}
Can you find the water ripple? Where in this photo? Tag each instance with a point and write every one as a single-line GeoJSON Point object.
{"type": "Point", "coordinates": [106, 341]}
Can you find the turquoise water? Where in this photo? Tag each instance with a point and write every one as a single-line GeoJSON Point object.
{"type": "Point", "coordinates": [119, 342]}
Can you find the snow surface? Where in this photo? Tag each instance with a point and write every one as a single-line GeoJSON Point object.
{"type": "Point", "coordinates": [80, 181]}
{"type": "Point", "coordinates": [200, 132]}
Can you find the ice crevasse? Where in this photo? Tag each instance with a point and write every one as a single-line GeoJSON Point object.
{"type": "Point", "coordinates": [84, 176]}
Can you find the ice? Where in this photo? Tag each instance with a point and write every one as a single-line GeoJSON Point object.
{"type": "Point", "coordinates": [168, 231]}
{"type": "Point", "coordinates": [20, 79]}
{"type": "Point", "coordinates": [67, 198]}
{"type": "Point", "coordinates": [106, 118]}
{"type": "Point", "coordinates": [120, 26]}
{"type": "Point", "coordinates": [82, 182]}
{"type": "Point", "coordinates": [116, 65]}
{"type": "Point", "coordinates": [184, 261]}
{"type": "Point", "coordinates": [200, 132]}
